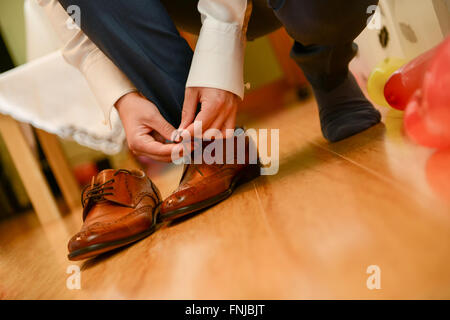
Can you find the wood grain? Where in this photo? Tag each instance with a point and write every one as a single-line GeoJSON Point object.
{"type": "Point", "coordinates": [309, 232]}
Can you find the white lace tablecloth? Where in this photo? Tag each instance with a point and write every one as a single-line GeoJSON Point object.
{"type": "Point", "coordinates": [52, 95]}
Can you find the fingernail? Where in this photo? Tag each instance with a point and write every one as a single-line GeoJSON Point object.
{"type": "Point", "coordinates": [177, 136]}
{"type": "Point", "coordinates": [179, 150]}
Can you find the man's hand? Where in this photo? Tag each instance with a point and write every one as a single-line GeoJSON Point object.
{"type": "Point", "coordinates": [145, 127]}
{"type": "Point", "coordinates": [218, 109]}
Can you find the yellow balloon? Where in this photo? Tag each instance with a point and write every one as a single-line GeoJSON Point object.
{"type": "Point", "coordinates": [379, 76]}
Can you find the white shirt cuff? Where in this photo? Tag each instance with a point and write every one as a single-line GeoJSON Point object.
{"type": "Point", "coordinates": [219, 58]}
{"type": "Point", "coordinates": [106, 81]}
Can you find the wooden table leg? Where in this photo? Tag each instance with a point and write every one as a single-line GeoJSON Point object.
{"type": "Point", "coordinates": [29, 170]}
{"type": "Point", "coordinates": [60, 167]}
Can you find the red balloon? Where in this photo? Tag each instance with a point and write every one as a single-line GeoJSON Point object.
{"type": "Point", "coordinates": [427, 116]}
{"type": "Point", "coordinates": [403, 83]}
{"type": "Point", "coordinates": [436, 89]}
{"type": "Point", "coordinates": [417, 129]}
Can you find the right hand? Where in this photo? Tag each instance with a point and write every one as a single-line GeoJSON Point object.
{"type": "Point", "coordinates": [218, 110]}
{"type": "Point", "coordinates": [146, 129]}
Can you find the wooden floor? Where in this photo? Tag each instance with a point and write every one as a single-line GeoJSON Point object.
{"type": "Point", "coordinates": [311, 231]}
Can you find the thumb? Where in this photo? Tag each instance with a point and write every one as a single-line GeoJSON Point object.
{"type": "Point", "coordinates": [189, 107]}
{"type": "Point", "coordinates": [164, 128]}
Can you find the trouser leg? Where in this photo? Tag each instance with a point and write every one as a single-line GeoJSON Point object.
{"type": "Point", "coordinates": [141, 39]}
{"type": "Point", "coordinates": [324, 31]}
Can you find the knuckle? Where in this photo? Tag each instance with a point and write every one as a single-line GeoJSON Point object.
{"type": "Point", "coordinates": [152, 113]}
{"type": "Point", "coordinates": [149, 120]}
{"type": "Point", "coordinates": [220, 100]}
{"type": "Point", "coordinates": [165, 127]}
{"type": "Point", "coordinates": [189, 92]}
{"type": "Point", "coordinates": [217, 105]}
{"type": "Point", "coordinates": [152, 121]}
{"type": "Point", "coordinates": [133, 144]}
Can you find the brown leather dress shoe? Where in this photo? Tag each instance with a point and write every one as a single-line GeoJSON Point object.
{"type": "Point", "coordinates": [203, 185]}
{"type": "Point", "coordinates": [119, 207]}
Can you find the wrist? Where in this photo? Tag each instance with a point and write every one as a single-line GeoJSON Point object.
{"type": "Point", "coordinates": [125, 99]}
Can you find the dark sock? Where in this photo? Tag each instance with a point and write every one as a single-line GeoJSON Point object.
{"type": "Point", "coordinates": [344, 111]}
{"type": "Point", "coordinates": [343, 108]}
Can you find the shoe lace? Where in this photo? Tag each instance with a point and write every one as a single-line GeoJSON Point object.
{"type": "Point", "coordinates": [97, 192]}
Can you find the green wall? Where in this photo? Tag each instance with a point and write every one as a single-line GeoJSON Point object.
{"type": "Point", "coordinates": [13, 32]}
{"type": "Point", "coordinates": [261, 66]}
{"type": "Point", "coordinates": [13, 28]}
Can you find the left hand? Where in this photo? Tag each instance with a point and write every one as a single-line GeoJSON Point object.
{"type": "Point", "coordinates": [218, 109]}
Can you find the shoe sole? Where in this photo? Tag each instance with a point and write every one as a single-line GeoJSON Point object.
{"type": "Point", "coordinates": [243, 177]}
{"type": "Point", "coordinates": [99, 248]}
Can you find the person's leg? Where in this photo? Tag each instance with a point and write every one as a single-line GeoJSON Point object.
{"type": "Point", "coordinates": [141, 39]}
{"type": "Point", "coordinates": [324, 31]}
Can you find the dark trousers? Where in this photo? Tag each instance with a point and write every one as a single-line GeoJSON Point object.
{"type": "Point", "coordinates": [141, 38]}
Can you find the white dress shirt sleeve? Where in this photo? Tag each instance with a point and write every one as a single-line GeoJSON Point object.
{"type": "Point", "coordinates": [218, 60]}
{"type": "Point", "coordinates": [106, 81]}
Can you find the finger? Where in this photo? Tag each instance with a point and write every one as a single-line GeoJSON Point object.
{"type": "Point", "coordinates": [189, 107]}
{"type": "Point", "coordinates": [160, 125]}
{"type": "Point", "coordinates": [188, 142]}
{"type": "Point", "coordinates": [147, 145]}
{"type": "Point", "coordinates": [219, 121]}
{"type": "Point", "coordinates": [153, 157]}
{"type": "Point", "coordinates": [158, 137]}
{"type": "Point", "coordinates": [204, 119]}
{"type": "Point", "coordinates": [230, 124]}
